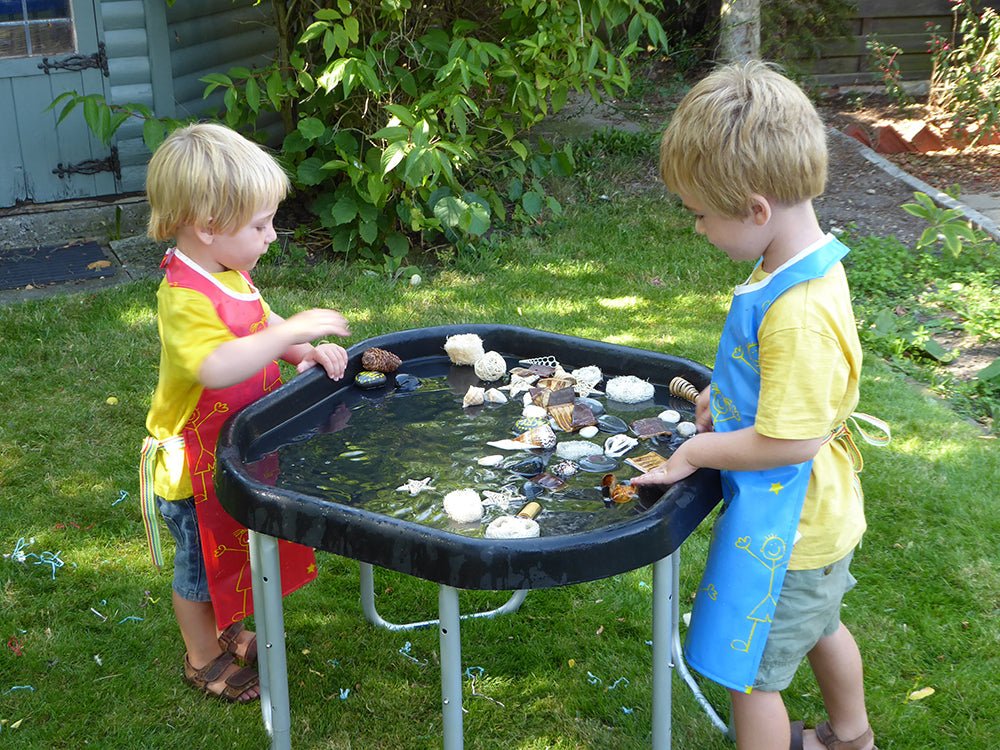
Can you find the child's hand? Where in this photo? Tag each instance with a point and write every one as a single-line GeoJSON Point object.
{"type": "Point", "coordinates": [674, 470]}
{"type": "Point", "coordinates": [703, 410]}
{"type": "Point", "coordinates": [330, 357]}
{"type": "Point", "coordinates": [315, 324]}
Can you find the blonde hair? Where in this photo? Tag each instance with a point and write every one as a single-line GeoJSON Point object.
{"type": "Point", "coordinates": [744, 129]}
{"type": "Point", "coordinates": [208, 175]}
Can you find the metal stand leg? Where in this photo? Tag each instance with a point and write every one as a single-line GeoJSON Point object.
{"type": "Point", "coordinates": [663, 627]}
{"type": "Point", "coordinates": [270, 623]}
{"type": "Point", "coordinates": [451, 667]}
{"type": "Point", "coordinates": [676, 652]}
{"type": "Point", "coordinates": [371, 614]}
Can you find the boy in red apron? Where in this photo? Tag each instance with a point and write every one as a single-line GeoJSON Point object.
{"type": "Point", "coordinates": [746, 153]}
{"type": "Point", "coordinates": [216, 193]}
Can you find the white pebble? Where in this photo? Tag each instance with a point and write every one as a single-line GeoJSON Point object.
{"type": "Point", "coordinates": [463, 506]}
{"type": "Point", "coordinates": [495, 460]}
{"type": "Point", "coordinates": [415, 280]}
{"type": "Point", "coordinates": [589, 431]}
{"type": "Point", "coordinates": [534, 410]}
{"type": "Point", "coordinates": [670, 416]}
{"type": "Point", "coordinates": [686, 429]}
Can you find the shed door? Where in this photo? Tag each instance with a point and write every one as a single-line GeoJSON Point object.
{"type": "Point", "coordinates": [48, 47]}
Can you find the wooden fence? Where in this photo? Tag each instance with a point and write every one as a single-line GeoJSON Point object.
{"type": "Point", "coordinates": [902, 23]}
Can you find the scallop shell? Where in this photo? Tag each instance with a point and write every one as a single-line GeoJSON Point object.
{"type": "Point", "coordinates": [474, 396]}
{"type": "Point", "coordinates": [681, 388]}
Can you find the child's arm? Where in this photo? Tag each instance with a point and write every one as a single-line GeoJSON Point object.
{"type": "Point", "coordinates": [331, 357]}
{"type": "Point", "coordinates": [739, 450]}
{"type": "Point", "coordinates": [238, 359]}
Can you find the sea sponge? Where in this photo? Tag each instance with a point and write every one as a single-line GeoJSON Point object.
{"type": "Point", "coordinates": [463, 506]}
{"type": "Point", "coordinates": [464, 348]}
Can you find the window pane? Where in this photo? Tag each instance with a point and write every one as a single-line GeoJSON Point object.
{"type": "Point", "coordinates": [13, 42]}
{"type": "Point", "coordinates": [45, 9]}
{"type": "Point", "coordinates": [11, 10]}
{"type": "Point", "coordinates": [52, 38]}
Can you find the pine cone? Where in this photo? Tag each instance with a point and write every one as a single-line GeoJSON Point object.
{"type": "Point", "coordinates": [380, 360]}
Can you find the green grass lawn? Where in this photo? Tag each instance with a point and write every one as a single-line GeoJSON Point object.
{"type": "Point", "coordinates": [77, 669]}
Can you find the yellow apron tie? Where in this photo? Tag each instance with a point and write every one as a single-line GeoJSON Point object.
{"type": "Point", "coordinates": [147, 498]}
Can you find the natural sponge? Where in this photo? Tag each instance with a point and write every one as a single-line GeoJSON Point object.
{"type": "Point", "coordinates": [464, 348]}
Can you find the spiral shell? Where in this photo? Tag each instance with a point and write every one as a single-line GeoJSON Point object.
{"type": "Point", "coordinates": [681, 388]}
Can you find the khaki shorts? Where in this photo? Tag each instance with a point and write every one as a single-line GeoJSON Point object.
{"type": "Point", "coordinates": [808, 610]}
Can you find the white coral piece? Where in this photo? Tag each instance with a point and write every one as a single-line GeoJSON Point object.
{"type": "Point", "coordinates": [464, 348]}
{"type": "Point", "coordinates": [463, 506]}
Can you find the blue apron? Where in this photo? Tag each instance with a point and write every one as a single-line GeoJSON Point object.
{"type": "Point", "coordinates": [753, 536]}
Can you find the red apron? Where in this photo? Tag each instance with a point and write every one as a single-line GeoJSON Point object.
{"type": "Point", "coordinates": [224, 542]}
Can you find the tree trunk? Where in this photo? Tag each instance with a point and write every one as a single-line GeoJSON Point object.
{"type": "Point", "coordinates": [739, 33]}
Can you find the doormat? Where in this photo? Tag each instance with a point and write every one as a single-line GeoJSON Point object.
{"type": "Point", "coordinates": [38, 266]}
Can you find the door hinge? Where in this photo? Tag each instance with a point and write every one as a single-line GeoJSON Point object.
{"type": "Point", "coordinates": [92, 166]}
{"type": "Point", "coordinates": [79, 62]}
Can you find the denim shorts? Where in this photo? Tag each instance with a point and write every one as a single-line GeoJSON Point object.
{"type": "Point", "coordinates": [190, 579]}
{"type": "Point", "coordinates": [808, 609]}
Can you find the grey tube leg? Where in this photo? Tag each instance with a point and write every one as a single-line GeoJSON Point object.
{"type": "Point", "coordinates": [270, 622]}
{"type": "Point", "coordinates": [680, 665]}
{"type": "Point", "coordinates": [663, 626]}
{"type": "Point", "coordinates": [451, 667]}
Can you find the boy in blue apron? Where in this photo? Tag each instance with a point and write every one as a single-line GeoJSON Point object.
{"type": "Point", "coordinates": [746, 153]}
{"type": "Point", "coordinates": [216, 193]}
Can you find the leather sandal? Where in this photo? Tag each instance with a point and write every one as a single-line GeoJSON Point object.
{"type": "Point", "coordinates": [831, 741]}
{"type": "Point", "coordinates": [229, 640]}
{"type": "Point", "coordinates": [796, 743]}
{"type": "Point", "coordinates": [237, 680]}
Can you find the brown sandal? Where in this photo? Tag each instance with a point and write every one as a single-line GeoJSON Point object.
{"type": "Point", "coordinates": [796, 743]}
{"type": "Point", "coordinates": [229, 640]}
{"type": "Point", "coordinates": [826, 735]}
{"type": "Point", "coordinates": [237, 682]}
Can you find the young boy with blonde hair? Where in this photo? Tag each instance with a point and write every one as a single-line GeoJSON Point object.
{"type": "Point", "coordinates": [216, 193]}
{"type": "Point", "coordinates": [746, 153]}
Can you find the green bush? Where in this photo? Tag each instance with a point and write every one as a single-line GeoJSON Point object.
{"type": "Point", "coordinates": [409, 122]}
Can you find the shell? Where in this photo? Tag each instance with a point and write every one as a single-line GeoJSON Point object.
{"type": "Point", "coordinates": [464, 348]}
{"type": "Point", "coordinates": [565, 468]}
{"type": "Point", "coordinates": [649, 427]}
{"type": "Point", "coordinates": [538, 437]}
{"type": "Point", "coordinates": [533, 410]}
{"type": "Point", "coordinates": [463, 506]}
{"type": "Point", "coordinates": [554, 383]}
{"type": "Point", "coordinates": [546, 361]}
{"type": "Point", "coordinates": [681, 388]}
{"type": "Point", "coordinates": [474, 396]}
{"type": "Point", "coordinates": [646, 462]}
{"type": "Point", "coordinates": [590, 375]}
{"type": "Point", "coordinates": [491, 366]}
{"type": "Point", "coordinates": [615, 491]}
{"type": "Point", "coordinates": [492, 460]}
{"type": "Point", "coordinates": [545, 397]}
{"type": "Point", "coordinates": [629, 389]}
{"type": "Point", "coordinates": [617, 446]}
{"type": "Point", "coordinates": [494, 396]}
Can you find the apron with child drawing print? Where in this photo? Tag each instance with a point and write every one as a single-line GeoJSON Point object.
{"type": "Point", "coordinates": [224, 542]}
{"type": "Point", "coordinates": [753, 536]}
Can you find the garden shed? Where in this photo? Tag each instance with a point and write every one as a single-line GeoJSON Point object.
{"type": "Point", "coordinates": [131, 51]}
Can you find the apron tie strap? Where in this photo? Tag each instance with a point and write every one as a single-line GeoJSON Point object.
{"type": "Point", "coordinates": [147, 499]}
{"type": "Point", "coordinates": [843, 433]}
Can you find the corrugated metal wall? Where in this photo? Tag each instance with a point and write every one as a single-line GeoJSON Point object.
{"type": "Point", "coordinates": [157, 56]}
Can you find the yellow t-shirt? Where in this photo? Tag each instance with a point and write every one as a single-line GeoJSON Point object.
{"type": "Point", "coordinates": [810, 365]}
{"type": "Point", "coordinates": [189, 330]}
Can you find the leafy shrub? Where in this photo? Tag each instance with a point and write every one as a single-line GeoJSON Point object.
{"type": "Point", "coordinates": [965, 77]}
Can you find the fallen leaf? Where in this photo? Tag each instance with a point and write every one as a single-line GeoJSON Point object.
{"type": "Point", "coordinates": [16, 724]}
{"type": "Point", "coordinates": [99, 264]}
{"type": "Point", "coordinates": [599, 630]}
{"type": "Point", "coordinates": [919, 695]}
{"type": "Point", "coordinates": [571, 663]}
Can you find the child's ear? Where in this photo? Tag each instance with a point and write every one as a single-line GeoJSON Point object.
{"type": "Point", "coordinates": [760, 209]}
{"type": "Point", "coordinates": [205, 234]}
